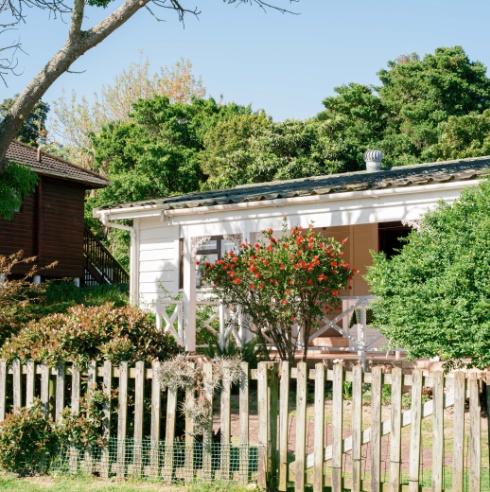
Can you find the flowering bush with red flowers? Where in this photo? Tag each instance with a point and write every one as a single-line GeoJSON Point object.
{"type": "Point", "coordinates": [285, 284]}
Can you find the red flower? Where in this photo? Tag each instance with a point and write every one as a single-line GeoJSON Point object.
{"type": "Point", "coordinates": [269, 231]}
{"type": "Point", "coordinates": [236, 260]}
{"type": "Point", "coordinates": [291, 282]}
{"type": "Point", "coordinates": [237, 281]}
{"type": "Point", "coordinates": [257, 275]}
{"type": "Point", "coordinates": [284, 301]}
{"type": "Point", "coordinates": [286, 245]}
{"type": "Point", "coordinates": [333, 263]}
{"type": "Point", "coordinates": [335, 292]}
{"type": "Point", "coordinates": [261, 286]}
{"type": "Point", "coordinates": [299, 252]}
{"type": "Point", "coordinates": [198, 262]}
{"type": "Point", "coordinates": [252, 286]}
{"type": "Point", "coordinates": [288, 292]}
{"type": "Point", "coordinates": [310, 281]}
{"type": "Point", "coordinates": [282, 267]}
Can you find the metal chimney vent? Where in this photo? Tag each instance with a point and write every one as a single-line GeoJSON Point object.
{"type": "Point", "coordinates": [373, 160]}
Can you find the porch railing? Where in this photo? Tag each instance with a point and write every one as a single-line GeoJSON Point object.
{"type": "Point", "coordinates": [352, 323]}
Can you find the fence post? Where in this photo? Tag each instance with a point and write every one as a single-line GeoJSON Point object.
{"type": "Point", "coordinates": [30, 383]}
{"type": "Point", "coordinates": [458, 431]}
{"type": "Point", "coordinates": [60, 391]}
{"type": "Point", "coordinates": [155, 416]}
{"type": "Point", "coordinates": [222, 330]}
{"type": "Point", "coordinates": [337, 421]}
{"type": "Point", "coordinates": [139, 394]}
{"type": "Point", "coordinates": [416, 426]}
{"type": "Point", "coordinates": [438, 432]}
{"type": "Point", "coordinates": [106, 432]}
{"type": "Point", "coordinates": [301, 390]}
{"type": "Point", "coordinates": [376, 385]}
{"type": "Point", "coordinates": [273, 390]}
{"type": "Point", "coordinates": [122, 417]}
{"type": "Point", "coordinates": [3, 389]}
{"type": "Point", "coordinates": [244, 416]}
{"type": "Point", "coordinates": [17, 380]}
{"type": "Point", "coordinates": [357, 374]}
{"type": "Point", "coordinates": [263, 418]}
{"type": "Point", "coordinates": [75, 410]}
{"type": "Point", "coordinates": [475, 434]}
{"type": "Point", "coordinates": [319, 427]}
{"type": "Point", "coordinates": [283, 426]}
{"type": "Point", "coordinates": [396, 428]}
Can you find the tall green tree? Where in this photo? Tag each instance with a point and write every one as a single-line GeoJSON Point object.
{"type": "Point", "coordinates": [405, 116]}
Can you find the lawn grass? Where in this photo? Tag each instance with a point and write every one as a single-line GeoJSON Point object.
{"type": "Point", "coordinates": [9, 483]}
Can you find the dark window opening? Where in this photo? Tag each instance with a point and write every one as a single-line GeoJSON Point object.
{"type": "Point", "coordinates": [390, 237]}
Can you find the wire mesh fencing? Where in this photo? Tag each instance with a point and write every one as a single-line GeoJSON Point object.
{"type": "Point", "coordinates": [170, 462]}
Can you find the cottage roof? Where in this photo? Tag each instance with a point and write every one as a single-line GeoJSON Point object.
{"type": "Point", "coordinates": [50, 165]}
{"type": "Point", "coordinates": [398, 177]}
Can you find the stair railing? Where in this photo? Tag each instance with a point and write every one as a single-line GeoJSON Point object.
{"type": "Point", "coordinates": [99, 262]}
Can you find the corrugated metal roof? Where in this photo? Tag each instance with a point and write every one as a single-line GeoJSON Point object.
{"type": "Point", "coordinates": [398, 177]}
{"type": "Point", "coordinates": [50, 165]}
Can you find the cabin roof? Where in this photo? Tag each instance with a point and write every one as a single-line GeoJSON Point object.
{"type": "Point", "coordinates": [50, 165]}
{"type": "Point", "coordinates": [397, 177]}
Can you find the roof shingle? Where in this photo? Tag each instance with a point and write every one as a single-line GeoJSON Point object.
{"type": "Point", "coordinates": [415, 175]}
{"type": "Point", "coordinates": [50, 165]}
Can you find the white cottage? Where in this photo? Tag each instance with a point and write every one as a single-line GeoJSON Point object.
{"type": "Point", "coordinates": [371, 208]}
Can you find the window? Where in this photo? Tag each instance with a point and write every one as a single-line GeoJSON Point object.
{"type": "Point", "coordinates": [390, 235]}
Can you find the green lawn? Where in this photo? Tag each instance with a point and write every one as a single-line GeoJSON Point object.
{"type": "Point", "coordinates": [63, 484]}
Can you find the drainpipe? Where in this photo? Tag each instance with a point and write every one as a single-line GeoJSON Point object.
{"type": "Point", "coordinates": [133, 256]}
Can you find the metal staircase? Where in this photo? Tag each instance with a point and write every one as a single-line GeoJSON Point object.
{"type": "Point", "coordinates": [100, 267]}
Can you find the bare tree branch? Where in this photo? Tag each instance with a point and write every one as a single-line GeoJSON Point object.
{"type": "Point", "coordinates": [78, 42]}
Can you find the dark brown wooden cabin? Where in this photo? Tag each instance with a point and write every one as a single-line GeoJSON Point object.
{"type": "Point", "coordinates": [50, 223]}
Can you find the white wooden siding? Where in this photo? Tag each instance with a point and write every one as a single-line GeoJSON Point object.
{"type": "Point", "coordinates": [158, 260]}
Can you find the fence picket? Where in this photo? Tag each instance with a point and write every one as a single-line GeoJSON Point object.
{"type": "Point", "coordinates": [170, 434]}
{"type": "Point", "coordinates": [45, 389]}
{"type": "Point", "coordinates": [376, 385]}
{"type": "Point", "coordinates": [156, 399]}
{"type": "Point", "coordinates": [438, 432]}
{"type": "Point", "coordinates": [283, 425]}
{"type": "Point", "coordinates": [475, 434]}
{"type": "Point", "coordinates": [356, 427]}
{"type": "Point", "coordinates": [301, 389]}
{"type": "Point", "coordinates": [225, 424]}
{"type": "Point", "coordinates": [122, 419]}
{"type": "Point", "coordinates": [106, 428]}
{"type": "Point", "coordinates": [319, 426]}
{"type": "Point", "coordinates": [207, 438]}
{"type": "Point", "coordinates": [189, 435]}
{"type": "Point", "coordinates": [415, 431]}
{"type": "Point", "coordinates": [458, 431]}
{"type": "Point", "coordinates": [139, 395]}
{"type": "Point", "coordinates": [273, 390]}
{"type": "Point", "coordinates": [244, 423]}
{"type": "Point", "coordinates": [75, 410]}
{"type": "Point", "coordinates": [60, 391]}
{"type": "Point", "coordinates": [396, 428]}
{"type": "Point", "coordinates": [337, 423]}
{"type": "Point", "coordinates": [3, 389]}
{"type": "Point", "coordinates": [17, 382]}
{"type": "Point", "coordinates": [30, 382]}
{"type": "Point", "coordinates": [91, 387]}
{"type": "Point", "coordinates": [263, 418]}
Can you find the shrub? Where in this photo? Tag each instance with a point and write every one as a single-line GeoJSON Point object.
{"type": "Point", "coordinates": [435, 295]}
{"type": "Point", "coordinates": [27, 441]}
{"type": "Point", "coordinates": [283, 282]}
{"type": "Point", "coordinates": [97, 332]}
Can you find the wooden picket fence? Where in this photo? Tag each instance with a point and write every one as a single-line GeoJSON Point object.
{"type": "Point", "coordinates": [327, 427]}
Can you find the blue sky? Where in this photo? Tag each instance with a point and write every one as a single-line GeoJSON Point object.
{"type": "Point", "coordinates": [285, 64]}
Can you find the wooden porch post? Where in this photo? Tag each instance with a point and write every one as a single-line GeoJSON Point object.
{"type": "Point", "coordinates": [189, 297]}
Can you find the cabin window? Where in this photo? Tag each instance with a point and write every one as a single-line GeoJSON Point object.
{"type": "Point", "coordinates": [212, 250]}
{"type": "Point", "coordinates": [391, 236]}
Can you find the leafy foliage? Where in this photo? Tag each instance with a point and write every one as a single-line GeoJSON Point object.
{"type": "Point", "coordinates": [33, 131]}
{"type": "Point", "coordinates": [435, 295]}
{"type": "Point", "coordinates": [292, 280]}
{"type": "Point", "coordinates": [16, 182]}
{"type": "Point", "coordinates": [99, 332]}
{"type": "Point", "coordinates": [27, 440]}
{"type": "Point", "coordinates": [405, 116]}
